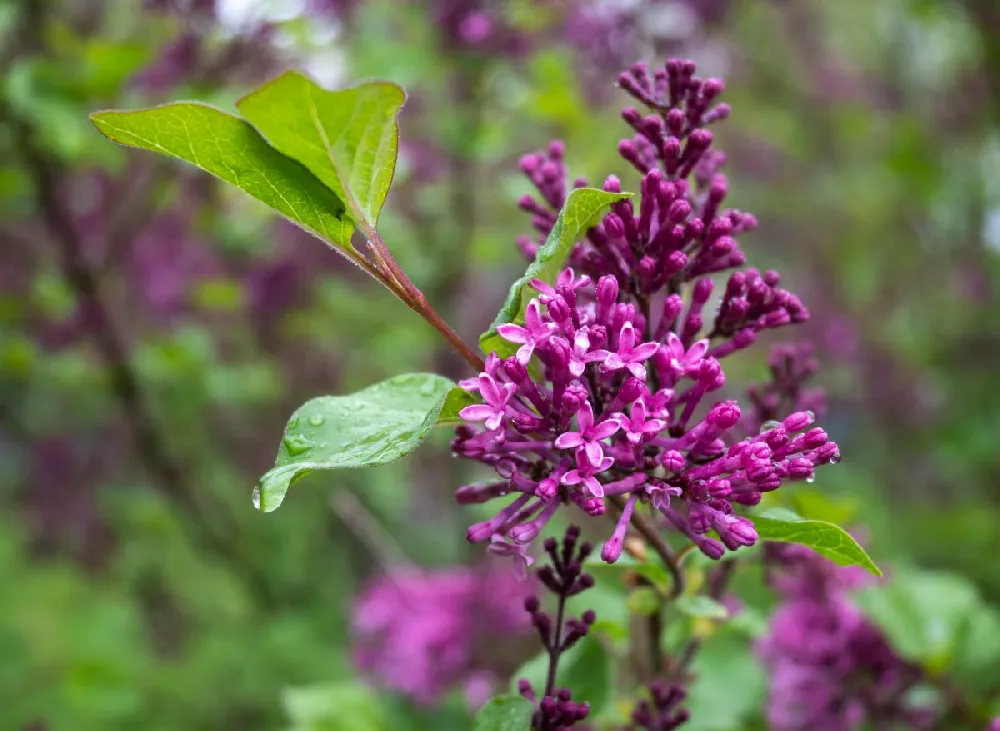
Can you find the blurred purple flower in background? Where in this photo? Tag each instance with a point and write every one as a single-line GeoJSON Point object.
{"type": "Point", "coordinates": [418, 633]}
{"type": "Point", "coordinates": [830, 668]}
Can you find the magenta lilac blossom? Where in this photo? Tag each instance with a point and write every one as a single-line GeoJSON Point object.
{"type": "Point", "coordinates": [610, 393]}
{"type": "Point", "coordinates": [415, 632]}
{"type": "Point", "coordinates": [829, 667]}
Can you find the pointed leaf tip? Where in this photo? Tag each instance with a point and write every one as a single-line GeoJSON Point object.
{"type": "Point", "coordinates": [374, 426]}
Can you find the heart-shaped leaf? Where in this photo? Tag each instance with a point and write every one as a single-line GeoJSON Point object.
{"type": "Point", "coordinates": [825, 538]}
{"type": "Point", "coordinates": [583, 210]}
{"type": "Point", "coordinates": [348, 139]}
{"type": "Point", "coordinates": [374, 426]}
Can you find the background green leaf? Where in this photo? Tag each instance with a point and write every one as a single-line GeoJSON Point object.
{"type": "Point", "coordinates": [937, 620]}
{"type": "Point", "coordinates": [586, 669]}
{"type": "Point", "coordinates": [695, 605]}
{"type": "Point", "coordinates": [371, 427]}
{"type": "Point", "coordinates": [583, 210]}
{"type": "Point", "coordinates": [347, 138]}
{"type": "Point", "coordinates": [729, 684]}
{"type": "Point", "coordinates": [504, 713]}
{"type": "Point", "coordinates": [617, 572]}
{"type": "Point", "coordinates": [343, 706]}
{"type": "Point", "coordinates": [643, 600]}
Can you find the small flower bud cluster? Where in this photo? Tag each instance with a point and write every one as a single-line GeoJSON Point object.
{"type": "Point", "coordinates": [608, 393]}
{"type": "Point", "coordinates": [563, 577]}
{"type": "Point", "coordinates": [662, 711]}
{"type": "Point", "coordinates": [791, 365]}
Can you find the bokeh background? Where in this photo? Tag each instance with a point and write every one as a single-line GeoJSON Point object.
{"type": "Point", "coordinates": [157, 328]}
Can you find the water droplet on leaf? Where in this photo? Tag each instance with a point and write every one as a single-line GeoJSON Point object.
{"type": "Point", "coordinates": [427, 389]}
{"type": "Point", "coordinates": [297, 444]}
{"type": "Point", "coordinates": [769, 425]}
{"type": "Point", "coordinates": [317, 420]}
{"type": "Point", "coordinates": [811, 479]}
{"type": "Point", "coordinates": [256, 496]}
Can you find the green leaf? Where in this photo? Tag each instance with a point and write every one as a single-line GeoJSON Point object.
{"type": "Point", "coordinates": [585, 669]}
{"type": "Point", "coordinates": [504, 713]}
{"type": "Point", "coordinates": [348, 139]}
{"type": "Point", "coordinates": [929, 617]}
{"type": "Point", "coordinates": [825, 538]}
{"type": "Point", "coordinates": [701, 606]}
{"type": "Point", "coordinates": [342, 706]}
{"type": "Point", "coordinates": [652, 571]}
{"type": "Point", "coordinates": [371, 427]}
{"type": "Point", "coordinates": [729, 685]}
{"type": "Point", "coordinates": [454, 401]}
{"type": "Point", "coordinates": [583, 209]}
{"type": "Point", "coordinates": [232, 150]}
{"type": "Point", "coordinates": [643, 600]}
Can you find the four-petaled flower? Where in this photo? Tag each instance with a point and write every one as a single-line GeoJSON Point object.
{"type": "Point", "coordinates": [588, 438]}
{"type": "Point", "coordinates": [658, 404]}
{"type": "Point", "coordinates": [496, 395]}
{"type": "Point", "coordinates": [522, 559]}
{"type": "Point", "coordinates": [578, 356]}
{"type": "Point", "coordinates": [567, 278]}
{"type": "Point", "coordinates": [660, 494]}
{"type": "Point", "coordinates": [584, 473]}
{"type": "Point", "coordinates": [528, 336]}
{"type": "Point", "coordinates": [681, 361]}
{"type": "Point", "coordinates": [636, 425]}
{"type": "Point", "coordinates": [629, 355]}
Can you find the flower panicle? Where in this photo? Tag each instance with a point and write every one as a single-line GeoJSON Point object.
{"type": "Point", "coordinates": [662, 711]}
{"type": "Point", "coordinates": [564, 577]}
{"type": "Point", "coordinates": [607, 388]}
{"type": "Point", "coordinates": [830, 667]}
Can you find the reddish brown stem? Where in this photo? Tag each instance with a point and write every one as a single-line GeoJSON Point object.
{"type": "Point", "coordinates": [393, 276]}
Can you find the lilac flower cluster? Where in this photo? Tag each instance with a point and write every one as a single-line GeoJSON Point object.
{"type": "Point", "coordinates": [620, 410]}
{"type": "Point", "coordinates": [415, 632]}
{"type": "Point", "coordinates": [830, 668]}
{"type": "Point", "coordinates": [791, 365]}
{"type": "Point", "coordinates": [563, 577]}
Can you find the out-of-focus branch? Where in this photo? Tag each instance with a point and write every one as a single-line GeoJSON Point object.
{"type": "Point", "coordinates": [132, 214]}
{"type": "Point", "coordinates": [45, 173]}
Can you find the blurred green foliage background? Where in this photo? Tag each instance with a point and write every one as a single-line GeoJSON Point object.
{"type": "Point", "coordinates": [156, 328]}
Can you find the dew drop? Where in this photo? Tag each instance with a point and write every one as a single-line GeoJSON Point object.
{"type": "Point", "coordinates": [317, 420]}
{"type": "Point", "coordinates": [834, 458]}
{"type": "Point", "coordinates": [297, 444]}
{"type": "Point", "coordinates": [256, 496]}
{"type": "Point", "coordinates": [769, 425]}
{"type": "Point", "coordinates": [811, 479]}
{"type": "Point", "coordinates": [293, 422]}
{"type": "Point", "coordinates": [427, 389]}
{"type": "Point", "coordinates": [811, 415]}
